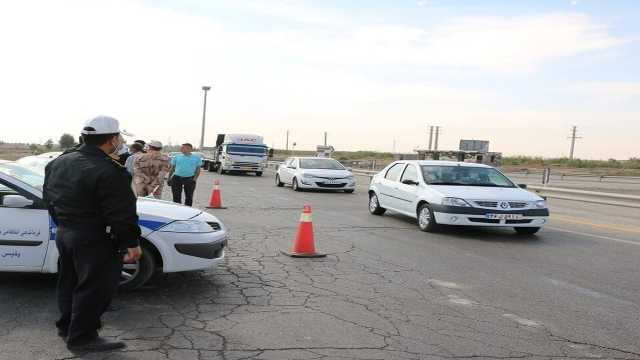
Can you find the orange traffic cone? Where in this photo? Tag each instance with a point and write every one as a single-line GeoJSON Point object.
{"type": "Point", "coordinates": [304, 244]}
{"type": "Point", "coordinates": [216, 198]}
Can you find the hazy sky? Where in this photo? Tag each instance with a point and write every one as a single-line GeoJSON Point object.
{"type": "Point", "coordinates": [517, 73]}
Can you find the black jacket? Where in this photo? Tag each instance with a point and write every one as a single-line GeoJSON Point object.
{"type": "Point", "coordinates": [85, 187]}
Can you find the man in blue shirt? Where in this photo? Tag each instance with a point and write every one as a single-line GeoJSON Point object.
{"type": "Point", "coordinates": [185, 169]}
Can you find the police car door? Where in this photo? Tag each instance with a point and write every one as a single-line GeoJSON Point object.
{"type": "Point", "coordinates": [24, 229]}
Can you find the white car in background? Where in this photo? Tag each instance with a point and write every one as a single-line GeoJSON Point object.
{"type": "Point", "coordinates": [174, 237]}
{"type": "Point", "coordinates": [304, 173]}
{"type": "Point", "coordinates": [456, 193]}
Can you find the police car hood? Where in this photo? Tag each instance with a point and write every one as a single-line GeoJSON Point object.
{"type": "Point", "coordinates": [150, 210]}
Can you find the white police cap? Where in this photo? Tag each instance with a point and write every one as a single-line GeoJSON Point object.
{"type": "Point", "coordinates": [101, 125]}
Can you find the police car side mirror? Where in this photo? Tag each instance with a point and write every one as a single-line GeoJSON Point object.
{"type": "Point", "coordinates": [16, 201]}
{"type": "Point", "coordinates": [522, 186]}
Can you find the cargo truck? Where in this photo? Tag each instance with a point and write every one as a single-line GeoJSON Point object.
{"type": "Point", "coordinates": [238, 153]}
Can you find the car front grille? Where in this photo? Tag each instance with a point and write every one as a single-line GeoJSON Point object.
{"type": "Point", "coordinates": [485, 221]}
{"type": "Point", "coordinates": [494, 204]}
{"type": "Point", "coordinates": [488, 204]}
{"type": "Point", "coordinates": [521, 221]}
{"type": "Point", "coordinates": [333, 186]}
{"type": "Point", "coordinates": [517, 205]}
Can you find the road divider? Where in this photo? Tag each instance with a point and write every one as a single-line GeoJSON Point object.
{"type": "Point", "coordinates": [595, 197]}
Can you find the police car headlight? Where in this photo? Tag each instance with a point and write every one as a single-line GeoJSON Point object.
{"type": "Point", "coordinates": [187, 226]}
{"type": "Point", "coordinates": [308, 176]}
{"type": "Point", "coordinates": [450, 201]}
{"type": "Point", "coordinates": [540, 204]}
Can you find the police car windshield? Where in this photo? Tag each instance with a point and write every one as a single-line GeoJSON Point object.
{"type": "Point", "coordinates": [23, 174]}
{"type": "Point", "coordinates": [325, 164]}
{"type": "Point", "coordinates": [464, 176]}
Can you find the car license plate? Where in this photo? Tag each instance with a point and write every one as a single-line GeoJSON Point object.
{"type": "Point", "coordinates": [331, 182]}
{"type": "Point", "coordinates": [504, 216]}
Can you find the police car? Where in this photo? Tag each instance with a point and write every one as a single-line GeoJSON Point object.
{"type": "Point", "coordinates": [456, 193]}
{"type": "Point", "coordinates": [174, 237]}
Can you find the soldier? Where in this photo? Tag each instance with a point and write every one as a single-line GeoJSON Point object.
{"type": "Point", "coordinates": [89, 196]}
{"type": "Point", "coordinates": [149, 170]}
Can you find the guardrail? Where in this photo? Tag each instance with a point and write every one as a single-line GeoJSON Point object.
{"type": "Point", "coordinates": [596, 197]}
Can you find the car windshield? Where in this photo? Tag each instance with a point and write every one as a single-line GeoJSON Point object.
{"type": "Point", "coordinates": [259, 150]}
{"type": "Point", "coordinates": [328, 164]}
{"type": "Point", "coordinates": [464, 176]}
{"type": "Point", "coordinates": [23, 174]}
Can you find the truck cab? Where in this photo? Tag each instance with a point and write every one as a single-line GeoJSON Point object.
{"type": "Point", "coordinates": [239, 153]}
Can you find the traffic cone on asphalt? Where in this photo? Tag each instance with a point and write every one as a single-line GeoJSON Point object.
{"type": "Point", "coordinates": [216, 198]}
{"type": "Point", "coordinates": [304, 244]}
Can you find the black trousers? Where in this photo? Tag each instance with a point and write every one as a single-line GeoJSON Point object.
{"type": "Point", "coordinates": [89, 269]}
{"type": "Point", "coordinates": [189, 185]}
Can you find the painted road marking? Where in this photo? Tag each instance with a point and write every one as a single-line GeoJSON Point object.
{"type": "Point", "coordinates": [594, 236]}
{"type": "Point", "coordinates": [521, 320]}
{"type": "Point", "coordinates": [461, 301]}
{"type": "Point", "coordinates": [444, 284]}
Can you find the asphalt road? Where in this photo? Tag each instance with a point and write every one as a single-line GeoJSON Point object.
{"type": "Point", "coordinates": [386, 290]}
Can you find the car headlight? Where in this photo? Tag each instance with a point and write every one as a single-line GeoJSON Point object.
{"type": "Point", "coordinates": [187, 226]}
{"type": "Point", "coordinates": [540, 204]}
{"type": "Point", "coordinates": [450, 201]}
{"type": "Point", "coordinates": [307, 176]}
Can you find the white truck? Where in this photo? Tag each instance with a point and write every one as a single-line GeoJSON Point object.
{"type": "Point", "coordinates": [238, 153]}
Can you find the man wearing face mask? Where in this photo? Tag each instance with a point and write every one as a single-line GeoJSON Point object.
{"type": "Point", "coordinates": [89, 196]}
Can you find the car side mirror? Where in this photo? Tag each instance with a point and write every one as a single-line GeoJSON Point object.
{"type": "Point", "coordinates": [409, 182]}
{"type": "Point", "coordinates": [350, 169]}
{"type": "Point", "coordinates": [16, 201]}
{"type": "Point", "coordinates": [292, 167]}
{"type": "Point", "coordinates": [522, 186]}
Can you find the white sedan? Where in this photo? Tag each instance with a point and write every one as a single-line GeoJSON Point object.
{"type": "Point", "coordinates": [315, 173]}
{"type": "Point", "coordinates": [174, 237]}
{"type": "Point", "coordinates": [454, 193]}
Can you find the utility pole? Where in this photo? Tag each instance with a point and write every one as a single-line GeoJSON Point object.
{"type": "Point", "coordinates": [204, 115]}
{"type": "Point", "coordinates": [573, 137]}
{"type": "Point", "coordinates": [437, 137]}
{"type": "Point", "coordinates": [430, 136]}
{"type": "Point", "coordinates": [287, 143]}
{"type": "Point", "coordinates": [325, 138]}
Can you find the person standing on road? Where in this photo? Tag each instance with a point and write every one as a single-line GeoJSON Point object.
{"type": "Point", "coordinates": [185, 169]}
{"type": "Point", "coordinates": [89, 197]}
{"type": "Point", "coordinates": [149, 171]}
{"type": "Point", "coordinates": [136, 149]}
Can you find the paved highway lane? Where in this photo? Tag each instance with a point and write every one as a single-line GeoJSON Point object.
{"type": "Point", "coordinates": [386, 291]}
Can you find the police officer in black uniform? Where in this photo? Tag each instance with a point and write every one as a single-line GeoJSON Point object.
{"type": "Point", "coordinates": [90, 198]}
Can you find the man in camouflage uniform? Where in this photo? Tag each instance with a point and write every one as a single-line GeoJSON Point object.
{"type": "Point", "coordinates": [149, 170]}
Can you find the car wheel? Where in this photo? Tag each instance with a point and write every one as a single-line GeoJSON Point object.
{"type": "Point", "coordinates": [258, 173]}
{"type": "Point", "coordinates": [349, 191]}
{"type": "Point", "coordinates": [526, 230]}
{"type": "Point", "coordinates": [294, 185]}
{"type": "Point", "coordinates": [426, 220]}
{"type": "Point", "coordinates": [137, 274]}
{"type": "Point", "coordinates": [374, 205]}
{"type": "Point", "coordinates": [278, 182]}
